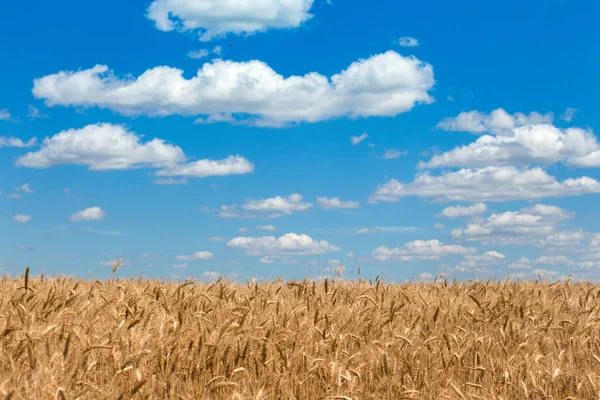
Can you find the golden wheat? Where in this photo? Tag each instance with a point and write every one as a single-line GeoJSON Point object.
{"type": "Point", "coordinates": [62, 338]}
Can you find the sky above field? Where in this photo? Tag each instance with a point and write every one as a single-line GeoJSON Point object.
{"type": "Point", "coordinates": [287, 138]}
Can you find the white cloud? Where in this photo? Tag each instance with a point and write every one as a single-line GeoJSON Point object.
{"type": "Point", "coordinates": [89, 214]}
{"type": "Point", "coordinates": [102, 147]}
{"type": "Point", "coordinates": [497, 122]}
{"type": "Point", "coordinates": [407, 41]}
{"type": "Point", "coordinates": [180, 266]}
{"type": "Point", "coordinates": [286, 205]}
{"type": "Point", "coordinates": [242, 229]}
{"type": "Point", "coordinates": [232, 165]}
{"type": "Point", "coordinates": [391, 154]}
{"type": "Point", "coordinates": [480, 262]}
{"type": "Point", "coordinates": [13, 196]}
{"type": "Point", "coordinates": [525, 145]}
{"type": "Point", "coordinates": [355, 140]}
{"type": "Point", "coordinates": [335, 202]}
{"type": "Point", "coordinates": [383, 85]}
{"type": "Point", "coordinates": [217, 239]}
{"type": "Point", "coordinates": [232, 211]}
{"type": "Point", "coordinates": [439, 226]}
{"type": "Point", "coordinates": [25, 188]}
{"type": "Point", "coordinates": [569, 114]}
{"type": "Point", "coordinates": [16, 142]}
{"type": "Point", "coordinates": [420, 250]}
{"type": "Point", "coordinates": [526, 263]}
{"type": "Point", "coordinates": [4, 115]}
{"type": "Point", "coordinates": [288, 244]}
{"type": "Point", "coordinates": [22, 218]}
{"type": "Point", "coordinates": [266, 228]}
{"type": "Point", "coordinates": [34, 113]}
{"type": "Point", "coordinates": [170, 181]}
{"type": "Point", "coordinates": [376, 229]}
{"type": "Point", "coordinates": [536, 226]}
{"type": "Point", "coordinates": [461, 211]}
{"type": "Point", "coordinates": [198, 54]}
{"type": "Point", "coordinates": [216, 18]}
{"type": "Point", "coordinates": [200, 255]}
{"type": "Point", "coordinates": [492, 184]}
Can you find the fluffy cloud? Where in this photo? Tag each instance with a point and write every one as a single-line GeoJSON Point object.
{"type": "Point", "coordinates": [335, 202]}
{"type": "Point", "coordinates": [355, 140]}
{"type": "Point", "coordinates": [102, 147]}
{"type": "Point", "coordinates": [383, 85]}
{"type": "Point", "coordinates": [198, 54]}
{"type": "Point", "coordinates": [200, 255]}
{"type": "Point", "coordinates": [486, 184]}
{"type": "Point", "coordinates": [529, 144]}
{"type": "Point", "coordinates": [22, 218]}
{"type": "Point", "coordinates": [288, 244]}
{"type": "Point", "coordinates": [498, 121]}
{"type": "Point", "coordinates": [25, 188]}
{"type": "Point", "coordinates": [4, 115]}
{"type": "Point", "coordinates": [376, 229]}
{"type": "Point", "coordinates": [461, 211]}
{"type": "Point", "coordinates": [420, 250]}
{"type": "Point", "coordinates": [89, 214]}
{"type": "Point", "coordinates": [215, 18]}
{"type": "Point", "coordinates": [285, 205]}
{"type": "Point", "coordinates": [535, 226]}
{"type": "Point", "coordinates": [407, 41]}
{"type": "Point", "coordinates": [232, 165]}
{"type": "Point", "coordinates": [16, 142]}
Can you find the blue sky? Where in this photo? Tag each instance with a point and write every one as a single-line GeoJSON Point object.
{"type": "Point", "coordinates": [285, 138]}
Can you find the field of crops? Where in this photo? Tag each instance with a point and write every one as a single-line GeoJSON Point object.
{"type": "Point", "coordinates": [62, 338]}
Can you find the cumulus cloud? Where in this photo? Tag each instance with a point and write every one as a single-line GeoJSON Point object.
{"type": "Point", "coordinates": [198, 54]}
{"type": "Point", "coordinates": [463, 211]}
{"type": "Point", "coordinates": [420, 250]}
{"type": "Point", "coordinates": [4, 115]}
{"type": "Point", "coordinates": [102, 147]}
{"type": "Point", "coordinates": [536, 226]}
{"type": "Point", "coordinates": [525, 145]}
{"type": "Point", "coordinates": [25, 188]}
{"type": "Point", "coordinates": [291, 244]}
{"type": "Point", "coordinates": [216, 18]}
{"type": "Point", "coordinates": [89, 214]}
{"type": "Point", "coordinates": [376, 229]}
{"type": "Point", "coordinates": [407, 41]}
{"type": "Point", "coordinates": [493, 184]}
{"type": "Point", "coordinates": [385, 84]}
{"type": "Point", "coordinates": [200, 255]}
{"type": "Point", "coordinates": [335, 202]}
{"type": "Point", "coordinates": [285, 205]}
{"type": "Point", "coordinates": [22, 218]}
{"type": "Point", "coordinates": [498, 122]}
{"type": "Point", "coordinates": [232, 165]}
{"type": "Point", "coordinates": [355, 140]}
{"type": "Point", "coordinates": [16, 142]}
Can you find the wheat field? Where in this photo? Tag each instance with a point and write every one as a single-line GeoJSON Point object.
{"type": "Point", "coordinates": [63, 338]}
